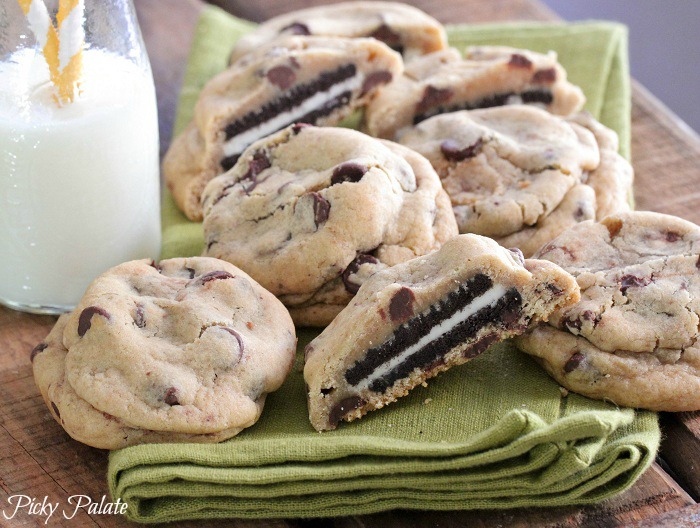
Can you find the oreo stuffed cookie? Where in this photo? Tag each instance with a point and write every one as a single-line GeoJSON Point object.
{"type": "Point", "coordinates": [521, 175]}
{"type": "Point", "coordinates": [633, 338]}
{"type": "Point", "coordinates": [310, 79]}
{"type": "Point", "coordinates": [410, 322]}
{"type": "Point", "coordinates": [182, 351]}
{"type": "Point", "coordinates": [403, 28]}
{"type": "Point", "coordinates": [487, 76]}
{"type": "Point", "coordinates": [311, 212]}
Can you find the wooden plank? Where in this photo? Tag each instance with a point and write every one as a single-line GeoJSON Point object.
{"type": "Point", "coordinates": [666, 158]}
{"type": "Point", "coordinates": [681, 449]}
{"type": "Point", "coordinates": [688, 517]}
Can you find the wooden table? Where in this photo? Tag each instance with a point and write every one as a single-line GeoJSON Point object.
{"type": "Point", "coordinates": [38, 458]}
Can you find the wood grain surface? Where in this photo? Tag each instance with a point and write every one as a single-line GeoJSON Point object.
{"type": "Point", "coordinates": [38, 458]}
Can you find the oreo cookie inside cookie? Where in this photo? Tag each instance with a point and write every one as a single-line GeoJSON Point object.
{"type": "Point", "coordinates": [425, 339]}
{"type": "Point", "coordinates": [305, 103]}
{"type": "Point", "coordinates": [535, 96]}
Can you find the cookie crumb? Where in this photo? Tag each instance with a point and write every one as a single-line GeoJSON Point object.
{"type": "Point", "coordinates": [564, 392]}
{"type": "Point", "coordinates": [427, 401]}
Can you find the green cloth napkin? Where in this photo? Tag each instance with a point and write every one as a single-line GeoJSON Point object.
{"type": "Point", "coordinates": [494, 433]}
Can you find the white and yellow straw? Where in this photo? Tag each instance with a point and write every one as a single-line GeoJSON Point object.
{"type": "Point", "coordinates": [62, 47]}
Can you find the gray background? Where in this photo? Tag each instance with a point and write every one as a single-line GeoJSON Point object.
{"type": "Point", "coordinates": [664, 45]}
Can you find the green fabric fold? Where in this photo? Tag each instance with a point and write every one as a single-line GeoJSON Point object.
{"type": "Point", "coordinates": [494, 433]}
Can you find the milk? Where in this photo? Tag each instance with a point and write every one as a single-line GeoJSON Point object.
{"type": "Point", "coordinates": [79, 186]}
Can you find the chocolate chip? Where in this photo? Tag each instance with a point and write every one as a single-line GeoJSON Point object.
{"type": "Point", "coordinates": [343, 408]}
{"type": "Point", "coordinates": [327, 391]}
{"type": "Point", "coordinates": [518, 255]}
{"type": "Point", "coordinates": [574, 361]}
{"type": "Point", "coordinates": [589, 315]}
{"type": "Point", "coordinates": [55, 410]}
{"type": "Point", "coordinates": [573, 324]}
{"type": "Point", "coordinates": [453, 151]}
{"type": "Point", "coordinates": [548, 75]}
{"type": "Point", "coordinates": [259, 163]}
{"type": "Point", "coordinates": [191, 272]}
{"type": "Point", "coordinates": [298, 127]}
{"type": "Point", "coordinates": [238, 337]}
{"type": "Point", "coordinates": [296, 28]}
{"type": "Point", "coordinates": [139, 317]}
{"type": "Point", "coordinates": [322, 208]}
{"type": "Point", "coordinates": [39, 348]}
{"type": "Point", "coordinates": [631, 281]}
{"type": "Point", "coordinates": [401, 305]}
{"type": "Point", "coordinates": [85, 320]}
{"type": "Point", "coordinates": [214, 275]}
{"type": "Point", "coordinates": [519, 61]}
{"type": "Point", "coordinates": [672, 237]}
{"type": "Point", "coordinates": [308, 349]}
{"type": "Point", "coordinates": [170, 396]}
{"type": "Point", "coordinates": [348, 172]}
{"type": "Point", "coordinates": [374, 79]}
{"type": "Point", "coordinates": [354, 267]}
{"type": "Point", "coordinates": [281, 76]}
{"type": "Point", "coordinates": [387, 36]}
{"type": "Point", "coordinates": [613, 224]}
{"type": "Point", "coordinates": [432, 97]}
{"type": "Point", "coordinates": [579, 213]}
{"type": "Point", "coordinates": [554, 289]}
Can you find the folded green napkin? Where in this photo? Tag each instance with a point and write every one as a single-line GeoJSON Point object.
{"type": "Point", "coordinates": [494, 433]}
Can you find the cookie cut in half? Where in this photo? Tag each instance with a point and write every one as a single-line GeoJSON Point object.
{"type": "Point", "coordinates": [182, 351]}
{"type": "Point", "coordinates": [634, 337]}
{"type": "Point", "coordinates": [311, 212]}
{"type": "Point", "coordinates": [487, 76]}
{"type": "Point", "coordinates": [410, 322]}
{"type": "Point", "coordinates": [402, 27]}
{"type": "Point", "coordinates": [521, 175]}
{"type": "Point", "coordinates": [299, 79]}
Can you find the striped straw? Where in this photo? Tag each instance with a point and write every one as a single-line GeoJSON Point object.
{"type": "Point", "coordinates": [71, 38]}
{"type": "Point", "coordinates": [45, 33]}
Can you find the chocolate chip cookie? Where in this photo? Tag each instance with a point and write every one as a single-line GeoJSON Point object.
{"type": "Point", "coordinates": [403, 28]}
{"type": "Point", "coordinates": [522, 175]}
{"type": "Point", "coordinates": [311, 212]}
{"type": "Point", "coordinates": [298, 79]}
{"type": "Point", "coordinates": [410, 322]}
{"type": "Point", "coordinates": [487, 76]}
{"type": "Point", "coordinates": [633, 337]}
{"type": "Point", "coordinates": [182, 351]}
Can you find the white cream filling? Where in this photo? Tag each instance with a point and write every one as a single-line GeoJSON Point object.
{"type": "Point", "coordinates": [238, 143]}
{"type": "Point", "coordinates": [489, 298]}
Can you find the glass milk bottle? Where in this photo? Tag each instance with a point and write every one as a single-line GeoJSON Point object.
{"type": "Point", "coordinates": [79, 180]}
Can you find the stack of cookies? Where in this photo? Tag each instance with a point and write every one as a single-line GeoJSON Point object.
{"type": "Point", "coordinates": [410, 240]}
